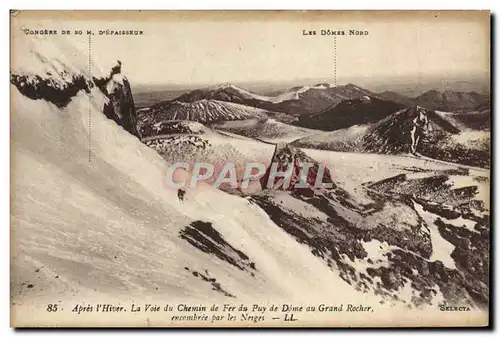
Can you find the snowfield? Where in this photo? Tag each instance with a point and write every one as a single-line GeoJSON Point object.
{"type": "Point", "coordinates": [268, 130]}
{"type": "Point", "coordinates": [93, 220]}
{"type": "Point", "coordinates": [109, 226]}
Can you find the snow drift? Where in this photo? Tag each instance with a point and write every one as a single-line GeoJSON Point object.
{"type": "Point", "coordinates": [91, 217]}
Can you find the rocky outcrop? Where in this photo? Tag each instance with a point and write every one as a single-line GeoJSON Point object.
{"type": "Point", "coordinates": [37, 87]}
{"type": "Point", "coordinates": [286, 155]}
{"type": "Point", "coordinates": [120, 106]}
{"type": "Point", "coordinates": [452, 208]}
{"type": "Point", "coordinates": [203, 236]}
{"type": "Point", "coordinates": [389, 245]}
{"type": "Point", "coordinates": [343, 244]}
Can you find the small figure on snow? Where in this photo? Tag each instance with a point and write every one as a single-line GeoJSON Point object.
{"type": "Point", "coordinates": [180, 194]}
{"type": "Point", "coordinates": [420, 126]}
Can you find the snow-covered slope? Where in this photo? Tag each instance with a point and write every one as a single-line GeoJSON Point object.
{"type": "Point", "coordinates": [266, 129]}
{"type": "Point", "coordinates": [250, 95]}
{"type": "Point", "coordinates": [387, 230]}
{"type": "Point", "coordinates": [109, 226]}
{"type": "Point", "coordinates": [188, 141]}
{"type": "Point", "coordinates": [203, 111]}
{"type": "Point", "coordinates": [55, 69]}
{"type": "Point", "coordinates": [468, 121]}
{"type": "Point", "coordinates": [58, 58]}
{"type": "Point", "coordinates": [92, 219]}
{"type": "Point", "coordinates": [339, 140]}
{"type": "Point", "coordinates": [209, 146]}
{"type": "Point", "coordinates": [233, 93]}
{"type": "Point", "coordinates": [459, 138]}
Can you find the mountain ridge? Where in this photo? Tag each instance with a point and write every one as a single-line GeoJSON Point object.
{"type": "Point", "coordinates": [300, 100]}
{"type": "Point", "coordinates": [449, 100]}
{"type": "Point", "coordinates": [459, 138]}
{"type": "Point", "coordinates": [203, 111]}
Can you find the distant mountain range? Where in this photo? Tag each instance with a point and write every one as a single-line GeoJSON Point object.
{"type": "Point", "coordinates": [354, 118]}
{"type": "Point", "coordinates": [460, 101]}
{"type": "Point", "coordinates": [303, 100]}
{"type": "Point", "coordinates": [455, 137]}
{"type": "Point", "coordinates": [323, 98]}
{"type": "Point", "coordinates": [321, 106]}
{"type": "Point", "coordinates": [451, 100]}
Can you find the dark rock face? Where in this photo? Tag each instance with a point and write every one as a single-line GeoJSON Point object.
{"type": "Point", "coordinates": [341, 244]}
{"type": "Point", "coordinates": [120, 107]}
{"type": "Point", "coordinates": [471, 255]}
{"type": "Point", "coordinates": [204, 237]}
{"type": "Point", "coordinates": [471, 252]}
{"type": "Point", "coordinates": [36, 87]}
{"type": "Point", "coordinates": [350, 235]}
{"type": "Point", "coordinates": [286, 155]}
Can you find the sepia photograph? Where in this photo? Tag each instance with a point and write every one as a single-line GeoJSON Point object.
{"type": "Point", "coordinates": [250, 168]}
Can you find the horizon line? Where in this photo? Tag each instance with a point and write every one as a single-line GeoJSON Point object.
{"type": "Point", "coordinates": [318, 80]}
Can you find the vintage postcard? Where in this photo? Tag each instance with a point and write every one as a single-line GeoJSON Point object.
{"type": "Point", "coordinates": [250, 168]}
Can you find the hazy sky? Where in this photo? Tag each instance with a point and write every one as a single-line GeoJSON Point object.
{"type": "Point", "coordinates": [240, 48]}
